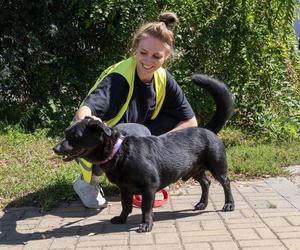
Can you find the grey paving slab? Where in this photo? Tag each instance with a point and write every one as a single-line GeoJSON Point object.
{"type": "Point", "coordinates": [266, 217]}
{"type": "Point", "coordinates": [287, 189]}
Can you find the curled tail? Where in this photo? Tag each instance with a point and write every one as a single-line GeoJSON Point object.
{"type": "Point", "coordinates": [222, 97]}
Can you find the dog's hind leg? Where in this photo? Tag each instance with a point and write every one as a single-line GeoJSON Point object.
{"type": "Point", "coordinates": [126, 201]}
{"type": "Point", "coordinates": [229, 202]}
{"type": "Point", "coordinates": [205, 183]}
{"type": "Point", "coordinates": [222, 177]}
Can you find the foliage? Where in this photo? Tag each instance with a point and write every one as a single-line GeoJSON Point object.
{"type": "Point", "coordinates": [53, 51]}
{"type": "Point", "coordinates": [250, 157]}
{"type": "Point", "coordinates": [252, 47]}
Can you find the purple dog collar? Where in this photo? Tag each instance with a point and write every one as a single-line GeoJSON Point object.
{"type": "Point", "coordinates": [114, 151]}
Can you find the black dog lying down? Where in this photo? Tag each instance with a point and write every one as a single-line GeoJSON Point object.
{"type": "Point", "coordinates": [144, 165]}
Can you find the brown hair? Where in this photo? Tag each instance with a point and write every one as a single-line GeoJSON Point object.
{"type": "Point", "coordinates": [160, 29]}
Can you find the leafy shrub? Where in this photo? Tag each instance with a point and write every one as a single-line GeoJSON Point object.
{"type": "Point", "coordinates": [251, 46]}
{"type": "Point", "coordinates": [53, 51]}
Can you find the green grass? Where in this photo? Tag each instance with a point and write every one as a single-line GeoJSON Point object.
{"type": "Point", "coordinates": [32, 175]}
{"type": "Point", "coordinates": [254, 158]}
{"type": "Point", "coordinates": [261, 160]}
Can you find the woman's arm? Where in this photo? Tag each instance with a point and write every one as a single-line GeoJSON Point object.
{"type": "Point", "coordinates": [186, 124]}
{"type": "Point", "coordinates": [177, 105]}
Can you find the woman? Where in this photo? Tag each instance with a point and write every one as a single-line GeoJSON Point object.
{"type": "Point", "coordinates": [137, 90]}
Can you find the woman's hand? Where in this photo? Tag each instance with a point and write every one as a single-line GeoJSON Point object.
{"type": "Point", "coordinates": [83, 112]}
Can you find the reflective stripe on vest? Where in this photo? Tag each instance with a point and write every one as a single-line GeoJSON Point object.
{"type": "Point", "coordinates": [86, 169]}
{"type": "Point", "coordinates": [126, 68]}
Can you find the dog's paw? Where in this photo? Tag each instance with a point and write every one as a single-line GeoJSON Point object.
{"type": "Point", "coordinates": [200, 206]}
{"type": "Point", "coordinates": [118, 220]}
{"type": "Point", "coordinates": [145, 227]}
{"type": "Point", "coordinates": [228, 207]}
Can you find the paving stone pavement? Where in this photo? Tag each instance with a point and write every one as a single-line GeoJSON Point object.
{"type": "Point", "coordinates": [266, 217]}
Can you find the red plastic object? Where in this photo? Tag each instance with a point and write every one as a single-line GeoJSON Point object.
{"type": "Point", "coordinates": [137, 199]}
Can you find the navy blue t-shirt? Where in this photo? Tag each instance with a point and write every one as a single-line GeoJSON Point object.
{"type": "Point", "coordinates": [111, 94]}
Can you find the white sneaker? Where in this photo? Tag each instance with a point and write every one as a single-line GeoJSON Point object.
{"type": "Point", "coordinates": [91, 194]}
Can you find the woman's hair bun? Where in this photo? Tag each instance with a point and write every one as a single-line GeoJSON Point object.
{"type": "Point", "coordinates": [169, 18]}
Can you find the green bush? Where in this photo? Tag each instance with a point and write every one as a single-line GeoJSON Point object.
{"type": "Point", "coordinates": [53, 51]}
{"type": "Point", "coordinates": [250, 45]}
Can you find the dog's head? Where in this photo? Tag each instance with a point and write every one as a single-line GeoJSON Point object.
{"type": "Point", "coordinates": [82, 138]}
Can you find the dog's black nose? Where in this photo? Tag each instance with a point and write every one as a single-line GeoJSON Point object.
{"type": "Point", "coordinates": [56, 149]}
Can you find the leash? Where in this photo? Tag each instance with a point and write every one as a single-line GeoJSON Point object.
{"type": "Point", "coordinates": [137, 199]}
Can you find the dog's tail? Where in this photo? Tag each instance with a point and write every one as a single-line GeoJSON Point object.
{"type": "Point", "coordinates": [222, 97]}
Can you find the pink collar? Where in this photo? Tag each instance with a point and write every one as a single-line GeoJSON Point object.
{"type": "Point", "coordinates": [114, 151]}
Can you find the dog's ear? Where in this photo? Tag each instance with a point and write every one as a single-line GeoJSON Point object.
{"type": "Point", "coordinates": [100, 125]}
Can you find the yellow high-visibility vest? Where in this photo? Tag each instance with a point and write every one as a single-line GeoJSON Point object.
{"type": "Point", "coordinates": [126, 68]}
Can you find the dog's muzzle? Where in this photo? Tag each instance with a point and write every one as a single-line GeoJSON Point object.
{"type": "Point", "coordinates": [67, 152]}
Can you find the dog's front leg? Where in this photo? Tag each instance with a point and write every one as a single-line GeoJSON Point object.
{"type": "Point", "coordinates": [147, 210]}
{"type": "Point", "coordinates": [126, 200]}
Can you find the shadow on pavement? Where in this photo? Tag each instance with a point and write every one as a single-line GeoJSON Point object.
{"type": "Point", "coordinates": [19, 225]}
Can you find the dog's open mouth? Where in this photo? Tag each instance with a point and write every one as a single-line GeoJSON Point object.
{"type": "Point", "coordinates": [73, 155]}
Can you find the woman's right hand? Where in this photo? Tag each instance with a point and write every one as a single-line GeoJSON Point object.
{"type": "Point", "coordinates": [83, 112]}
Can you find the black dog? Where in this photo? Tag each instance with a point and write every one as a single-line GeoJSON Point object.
{"type": "Point", "coordinates": [144, 165]}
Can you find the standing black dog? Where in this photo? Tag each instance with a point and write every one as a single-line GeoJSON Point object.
{"type": "Point", "coordinates": [144, 165]}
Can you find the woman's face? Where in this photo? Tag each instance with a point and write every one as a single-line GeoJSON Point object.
{"type": "Point", "coordinates": [150, 55]}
